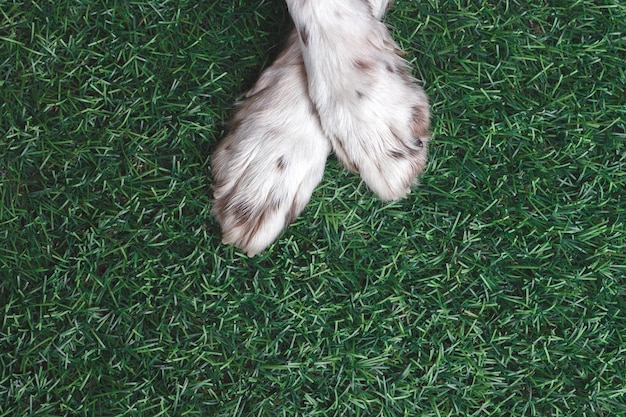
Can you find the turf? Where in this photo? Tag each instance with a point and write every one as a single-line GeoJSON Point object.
{"type": "Point", "coordinates": [497, 288]}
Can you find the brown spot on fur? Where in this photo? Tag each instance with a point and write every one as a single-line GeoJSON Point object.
{"type": "Point", "coordinates": [398, 69]}
{"type": "Point", "coordinates": [359, 94]}
{"type": "Point", "coordinates": [281, 164]}
{"type": "Point", "coordinates": [402, 72]}
{"type": "Point", "coordinates": [395, 154]}
{"type": "Point", "coordinates": [411, 149]}
{"type": "Point", "coordinates": [364, 66]}
{"type": "Point", "coordinates": [314, 112]}
{"type": "Point", "coordinates": [217, 182]}
{"type": "Point", "coordinates": [242, 212]}
{"type": "Point", "coordinates": [255, 225]}
{"type": "Point", "coordinates": [304, 35]}
{"type": "Point", "coordinates": [420, 121]}
{"type": "Point", "coordinates": [234, 126]}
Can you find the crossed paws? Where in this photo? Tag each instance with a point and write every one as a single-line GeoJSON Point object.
{"type": "Point", "coordinates": [340, 83]}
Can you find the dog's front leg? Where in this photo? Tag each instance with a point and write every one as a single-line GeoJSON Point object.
{"type": "Point", "coordinates": [375, 116]}
{"type": "Point", "coordinates": [266, 168]}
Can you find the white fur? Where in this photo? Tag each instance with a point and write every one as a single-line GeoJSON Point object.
{"type": "Point", "coordinates": [266, 168]}
{"type": "Point", "coordinates": [352, 91]}
{"type": "Point", "coordinates": [375, 116]}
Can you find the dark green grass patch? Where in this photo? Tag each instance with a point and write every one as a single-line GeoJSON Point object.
{"type": "Point", "coordinates": [495, 289]}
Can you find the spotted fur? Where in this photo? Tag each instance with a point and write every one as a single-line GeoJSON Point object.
{"type": "Point", "coordinates": [340, 82]}
{"type": "Point", "coordinates": [266, 168]}
{"type": "Point", "coordinates": [375, 115]}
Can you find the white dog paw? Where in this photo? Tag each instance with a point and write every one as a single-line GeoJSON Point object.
{"type": "Point", "coordinates": [375, 116]}
{"type": "Point", "coordinates": [266, 168]}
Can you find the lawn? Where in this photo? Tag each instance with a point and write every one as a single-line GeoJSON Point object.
{"type": "Point", "coordinates": [497, 288]}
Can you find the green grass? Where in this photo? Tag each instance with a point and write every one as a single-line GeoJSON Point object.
{"type": "Point", "coordinates": [496, 289]}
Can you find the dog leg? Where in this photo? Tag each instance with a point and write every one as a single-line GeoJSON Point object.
{"type": "Point", "coordinates": [266, 168]}
{"type": "Point", "coordinates": [375, 116]}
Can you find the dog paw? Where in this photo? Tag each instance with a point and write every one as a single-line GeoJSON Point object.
{"type": "Point", "coordinates": [376, 117]}
{"type": "Point", "coordinates": [266, 168]}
